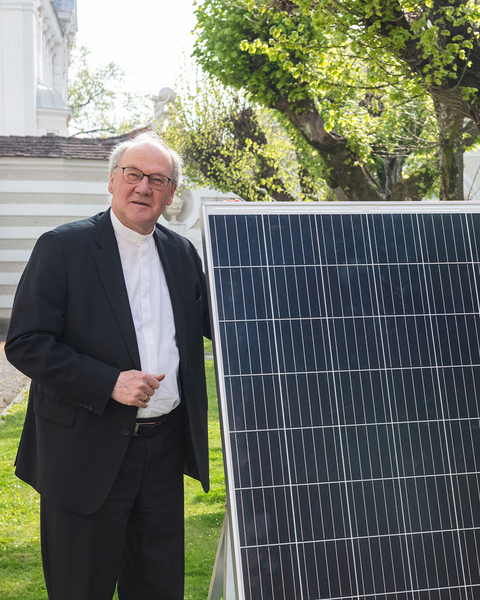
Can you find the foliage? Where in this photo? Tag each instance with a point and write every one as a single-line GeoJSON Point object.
{"type": "Point", "coordinates": [236, 145]}
{"type": "Point", "coordinates": [101, 106]}
{"type": "Point", "coordinates": [360, 80]}
{"type": "Point", "coordinates": [21, 576]}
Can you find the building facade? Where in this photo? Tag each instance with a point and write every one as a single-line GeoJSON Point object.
{"type": "Point", "coordinates": [35, 41]}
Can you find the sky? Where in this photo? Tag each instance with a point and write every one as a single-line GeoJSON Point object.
{"type": "Point", "coordinates": [145, 38]}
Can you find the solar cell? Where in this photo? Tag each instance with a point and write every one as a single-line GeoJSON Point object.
{"type": "Point", "coordinates": [348, 363]}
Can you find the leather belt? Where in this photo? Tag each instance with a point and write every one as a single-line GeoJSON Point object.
{"type": "Point", "coordinates": [152, 427]}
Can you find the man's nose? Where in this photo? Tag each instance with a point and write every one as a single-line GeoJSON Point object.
{"type": "Point", "coordinates": [144, 185]}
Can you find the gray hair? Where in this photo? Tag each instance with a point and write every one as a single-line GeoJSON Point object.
{"type": "Point", "coordinates": [153, 138]}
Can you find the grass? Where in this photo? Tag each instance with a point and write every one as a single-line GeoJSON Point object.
{"type": "Point", "coordinates": [20, 565]}
{"type": "Point", "coordinates": [21, 576]}
{"type": "Point", "coordinates": [204, 512]}
{"type": "Point", "coordinates": [208, 346]}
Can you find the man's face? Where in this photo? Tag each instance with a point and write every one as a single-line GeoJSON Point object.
{"type": "Point", "coordinates": [139, 206]}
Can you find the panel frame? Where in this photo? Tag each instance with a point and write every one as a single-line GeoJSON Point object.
{"type": "Point", "coordinates": [297, 208]}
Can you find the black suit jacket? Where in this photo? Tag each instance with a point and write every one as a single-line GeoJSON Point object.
{"type": "Point", "coordinates": [72, 333]}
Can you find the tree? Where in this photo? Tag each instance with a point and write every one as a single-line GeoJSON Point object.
{"type": "Point", "coordinates": [236, 145]}
{"type": "Point", "coordinates": [378, 88]}
{"type": "Point", "coordinates": [101, 107]}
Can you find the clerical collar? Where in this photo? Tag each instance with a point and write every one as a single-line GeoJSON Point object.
{"type": "Point", "coordinates": [128, 234]}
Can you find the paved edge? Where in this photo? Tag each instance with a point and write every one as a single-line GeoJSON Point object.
{"type": "Point", "coordinates": [20, 397]}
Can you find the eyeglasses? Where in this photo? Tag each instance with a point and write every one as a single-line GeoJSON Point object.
{"type": "Point", "coordinates": [134, 176]}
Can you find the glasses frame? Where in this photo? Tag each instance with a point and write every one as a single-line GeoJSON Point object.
{"type": "Point", "coordinates": [148, 177]}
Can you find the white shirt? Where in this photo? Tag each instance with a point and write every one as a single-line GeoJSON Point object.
{"type": "Point", "coordinates": [152, 313]}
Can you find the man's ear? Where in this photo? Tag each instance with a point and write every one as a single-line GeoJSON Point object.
{"type": "Point", "coordinates": [172, 195]}
{"type": "Point", "coordinates": [110, 182]}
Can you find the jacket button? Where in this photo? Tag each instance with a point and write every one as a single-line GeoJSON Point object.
{"type": "Point", "coordinates": [125, 432]}
{"type": "Point", "coordinates": [90, 407]}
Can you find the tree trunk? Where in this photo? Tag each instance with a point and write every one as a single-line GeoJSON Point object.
{"type": "Point", "coordinates": [450, 125]}
{"type": "Point", "coordinates": [413, 187]}
{"type": "Point", "coordinates": [345, 169]}
{"type": "Point", "coordinates": [391, 173]}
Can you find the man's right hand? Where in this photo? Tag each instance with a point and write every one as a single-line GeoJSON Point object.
{"type": "Point", "coordinates": [133, 387]}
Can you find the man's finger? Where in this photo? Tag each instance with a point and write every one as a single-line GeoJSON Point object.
{"type": "Point", "coordinates": [154, 381]}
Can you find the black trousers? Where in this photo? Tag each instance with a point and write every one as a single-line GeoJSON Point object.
{"type": "Point", "coordinates": [135, 538]}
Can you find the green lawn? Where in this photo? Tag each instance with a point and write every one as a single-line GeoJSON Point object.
{"type": "Point", "coordinates": [20, 565]}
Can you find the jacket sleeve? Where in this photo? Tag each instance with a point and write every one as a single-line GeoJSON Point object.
{"type": "Point", "coordinates": [206, 312]}
{"type": "Point", "coordinates": [35, 341]}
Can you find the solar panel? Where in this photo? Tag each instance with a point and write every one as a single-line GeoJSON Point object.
{"type": "Point", "coordinates": [348, 360]}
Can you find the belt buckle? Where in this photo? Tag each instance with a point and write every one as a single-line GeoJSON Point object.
{"type": "Point", "coordinates": [135, 429]}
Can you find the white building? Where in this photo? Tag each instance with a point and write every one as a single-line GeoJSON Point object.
{"type": "Point", "coordinates": [35, 41]}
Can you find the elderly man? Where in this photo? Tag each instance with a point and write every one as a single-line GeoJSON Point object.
{"type": "Point", "coordinates": [108, 322]}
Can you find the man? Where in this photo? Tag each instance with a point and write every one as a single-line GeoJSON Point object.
{"type": "Point", "coordinates": [108, 322]}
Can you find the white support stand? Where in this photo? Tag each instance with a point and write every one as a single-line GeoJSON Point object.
{"type": "Point", "coordinates": [222, 577]}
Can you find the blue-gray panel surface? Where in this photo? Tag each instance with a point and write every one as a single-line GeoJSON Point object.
{"type": "Point", "coordinates": [350, 357]}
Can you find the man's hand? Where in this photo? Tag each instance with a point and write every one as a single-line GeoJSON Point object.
{"type": "Point", "coordinates": [133, 387]}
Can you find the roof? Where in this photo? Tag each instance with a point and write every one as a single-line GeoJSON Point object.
{"type": "Point", "coordinates": [55, 146]}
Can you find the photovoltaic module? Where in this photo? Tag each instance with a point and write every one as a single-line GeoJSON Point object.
{"type": "Point", "coordinates": [347, 342]}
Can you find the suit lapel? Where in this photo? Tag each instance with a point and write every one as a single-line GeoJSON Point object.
{"type": "Point", "coordinates": [110, 269]}
{"type": "Point", "coordinates": [170, 257]}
